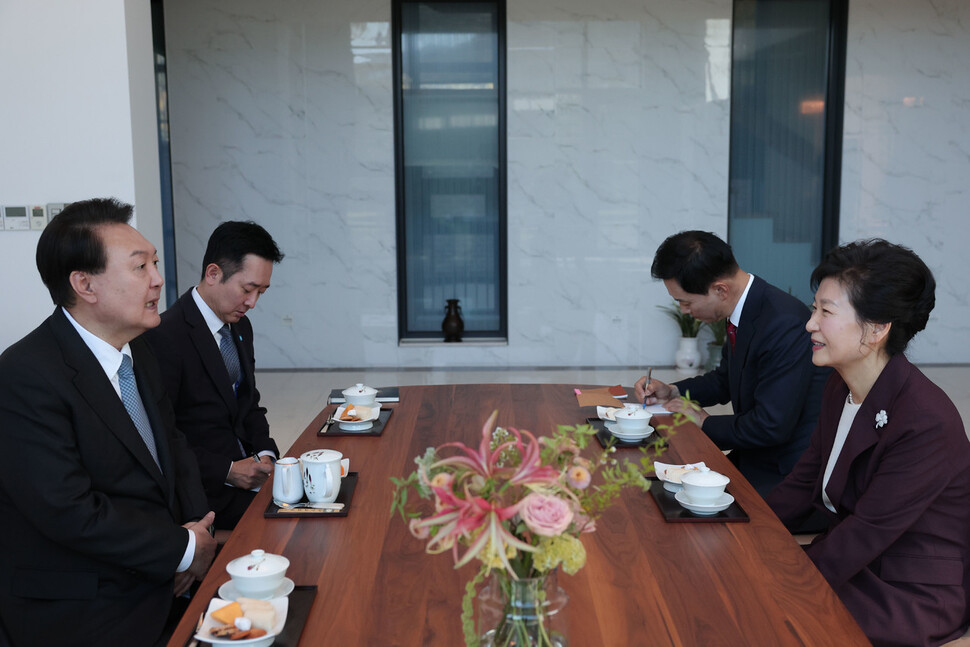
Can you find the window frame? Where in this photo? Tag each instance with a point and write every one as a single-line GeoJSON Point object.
{"type": "Point", "coordinates": [404, 334]}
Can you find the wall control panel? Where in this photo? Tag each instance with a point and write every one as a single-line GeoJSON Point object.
{"type": "Point", "coordinates": [38, 217]}
{"type": "Point", "coordinates": [15, 218]}
{"type": "Point", "coordinates": [28, 217]}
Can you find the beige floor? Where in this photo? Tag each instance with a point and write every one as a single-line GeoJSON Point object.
{"type": "Point", "coordinates": [293, 398]}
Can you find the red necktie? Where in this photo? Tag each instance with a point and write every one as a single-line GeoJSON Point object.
{"type": "Point", "coordinates": [732, 334]}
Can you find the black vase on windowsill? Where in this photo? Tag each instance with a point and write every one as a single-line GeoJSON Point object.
{"type": "Point", "coordinates": [452, 326]}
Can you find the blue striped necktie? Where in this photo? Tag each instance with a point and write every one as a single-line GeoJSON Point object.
{"type": "Point", "coordinates": [230, 356]}
{"type": "Point", "coordinates": [136, 408]}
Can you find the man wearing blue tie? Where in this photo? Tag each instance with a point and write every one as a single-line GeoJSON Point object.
{"type": "Point", "coordinates": [104, 516]}
{"type": "Point", "coordinates": [205, 350]}
{"type": "Point", "coordinates": [766, 369]}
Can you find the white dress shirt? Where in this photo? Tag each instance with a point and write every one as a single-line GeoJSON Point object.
{"type": "Point", "coordinates": [849, 412]}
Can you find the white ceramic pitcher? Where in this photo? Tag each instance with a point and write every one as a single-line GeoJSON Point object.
{"type": "Point", "coordinates": [288, 480]}
{"type": "Point", "coordinates": [321, 475]}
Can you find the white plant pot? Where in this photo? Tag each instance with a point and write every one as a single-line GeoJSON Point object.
{"type": "Point", "coordinates": [687, 359]}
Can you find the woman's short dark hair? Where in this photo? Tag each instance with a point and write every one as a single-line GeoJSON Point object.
{"type": "Point", "coordinates": [695, 259]}
{"type": "Point", "coordinates": [886, 283]}
{"type": "Point", "coordinates": [71, 242]}
{"type": "Point", "coordinates": [232, 241]}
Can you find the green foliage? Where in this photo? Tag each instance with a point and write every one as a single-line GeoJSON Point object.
{"type": "Point", "coordinates": [689, 327]}
{"type": "Point", "coordinates": [719, 330]}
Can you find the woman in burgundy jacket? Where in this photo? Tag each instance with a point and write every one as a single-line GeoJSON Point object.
{"type": "Point", "coordinates": [889, 462]}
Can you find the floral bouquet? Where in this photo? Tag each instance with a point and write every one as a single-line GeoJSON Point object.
{"type": "Point", "coordinates": [517, 505]}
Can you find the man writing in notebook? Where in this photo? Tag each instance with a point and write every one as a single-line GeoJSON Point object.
{"type": "Point", "coordinates": [766, 369]}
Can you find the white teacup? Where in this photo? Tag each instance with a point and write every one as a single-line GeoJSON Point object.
{"type": "Point", "coordinates": [360, 394]}
{"type": "Point", "coordinates": [287, 480]}
{"type": "Point", "coordinates": [632, 419]}
{"type": "Point", "coordinates": [322, 471]}
{"type": "Point", "coordinates": [704, 487]}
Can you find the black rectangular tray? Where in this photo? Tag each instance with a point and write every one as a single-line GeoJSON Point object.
{"type": "Point", "coordinates": [673, 512]}
{"type": "Point", "coordinates": [376, 430]}
{"type": "Point", "coordinates": [297, 611]}
{"type": "Point", "coordinates": [346, 495]}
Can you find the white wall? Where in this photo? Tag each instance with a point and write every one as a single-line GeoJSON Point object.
{"type": "Point", "coordinates": [617, 137]}
{"type": "Point", "coordinates": [66, 126]}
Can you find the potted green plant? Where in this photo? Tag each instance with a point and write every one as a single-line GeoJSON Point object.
{"type": "Point", "coordinates": [688, 355]}
{"type": "Point", "coordinates": [719, 331]}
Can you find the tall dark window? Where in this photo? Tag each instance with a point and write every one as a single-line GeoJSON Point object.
{"type": "Point", "coordinates": [164, 151]}
{"type": "Point", "coordinates": [450, 162]}
{"type": "Point", "coordinates": [787, 89]}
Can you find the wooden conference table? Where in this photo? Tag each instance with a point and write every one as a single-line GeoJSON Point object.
{"type": "Point", "coordinates": [646, 582]}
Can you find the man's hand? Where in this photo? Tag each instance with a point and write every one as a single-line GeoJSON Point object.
{"type": "Point", "coordinates": [247, 474]}
{"type": "Point", "coordinates": [690, 409]}
{"type": "Point", "coordinates": [183, 581]}
{"type": "Point", "coordinates": [653, 392]}
{"type": "Point", "coordinates": [205, 548]}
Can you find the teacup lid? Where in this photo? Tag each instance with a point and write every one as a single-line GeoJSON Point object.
{"type": "Point", "coordinates": [258, 562]}
{"type": "Point", "coordinates": [321, 455]}
{"type": "Point", "coordinates": [705, 478]}
{"type": "Point", "coordinates": [359, 389]}
{"type": "Point", "coordinates": [632, 413]}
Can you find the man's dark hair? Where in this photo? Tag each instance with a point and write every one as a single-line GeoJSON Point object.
{"type": "Point", "coordinates": [695, 259]}
{"type": "Point", "coordinates": [71, 242]}
{"type": "Point", "coordinates": [232, 241]}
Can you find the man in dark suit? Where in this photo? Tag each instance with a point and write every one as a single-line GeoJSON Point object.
{"type": "Point", "coordinates": [203, 338]}
{"type": "Point", "coordinates": [766, 369]}
{"type": "Point", "coordinates": [99, 501]}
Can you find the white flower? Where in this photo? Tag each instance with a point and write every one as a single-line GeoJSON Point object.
{"type": "Point", "coordinates": [881, 418]}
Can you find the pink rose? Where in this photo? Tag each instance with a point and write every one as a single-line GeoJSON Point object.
{"type": "Point", "coordinates": [548, 516]}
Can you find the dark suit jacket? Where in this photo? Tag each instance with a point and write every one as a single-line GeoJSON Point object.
{"type": "Point", "coordinates": [772, 384]}
{"type": "Point", "coordinates": [206, 410]}
{"type": "Point", "coordinates": [898, 549]}
{"type": "Point", "coordinates": [91, 532]}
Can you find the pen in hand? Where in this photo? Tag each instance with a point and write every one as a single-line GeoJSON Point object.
{"type": "Point", "coordinates": [649, 373]}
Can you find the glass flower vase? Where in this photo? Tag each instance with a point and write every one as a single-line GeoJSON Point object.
{"type": "Point", "coordinates": [527, 612]}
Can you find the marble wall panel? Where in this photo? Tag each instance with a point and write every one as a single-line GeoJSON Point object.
{"type": "Point", "coordinates": [618, 128]}
{"type": "Point", "coordinates": [282, 113]}
{"type": "Point", "coordinates": [906, 153]}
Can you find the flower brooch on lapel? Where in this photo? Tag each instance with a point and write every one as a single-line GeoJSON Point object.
{"type": "Point", "coordinates": [881, 418]}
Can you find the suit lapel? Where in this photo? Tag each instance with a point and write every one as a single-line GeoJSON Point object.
{"type": "Point", "coordinates": [750, 315]}
{"type": "Point", "coordinates": [95, 387]}
{"type": "Point", "coordinates": [149, 396]}
{"type": "Point", "coordinates": [209, 353]}
{"type": "Point", "coordinates": [863, 433]}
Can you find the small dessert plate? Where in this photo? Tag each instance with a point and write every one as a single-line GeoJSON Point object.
{"type": "Point", "coordinates": [279, 604]}
{"type": "Point", "coordinates": [705, 509]}
{"type": "Point", "coordinates": [357, 425]}
{"type": "Point", "coordinates": [229, 593]}
{"type": "Point", "coordinates": [670, 474]}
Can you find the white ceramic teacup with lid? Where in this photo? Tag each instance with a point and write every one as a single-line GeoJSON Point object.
{"type": "Point", "coordinates": [321, 474]}
{"type": "Point", "coordinates": [360, 394]}
{"type": "Point", "coordinates": [632, 419]}
{"type": "Point", "coordinates": [258, 574]}
{"type": "Point", "coordinates": [704, 486]}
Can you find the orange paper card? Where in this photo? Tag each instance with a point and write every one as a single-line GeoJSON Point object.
{"type": "Point", "coordinates": [597, 397]}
